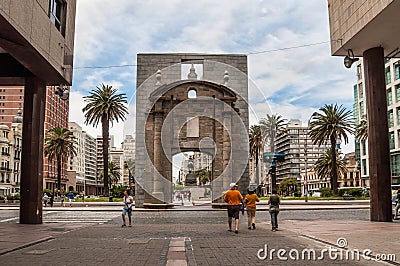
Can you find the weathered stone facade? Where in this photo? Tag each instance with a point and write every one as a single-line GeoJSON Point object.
{"type": "Point", "coordinates": [169, 121]}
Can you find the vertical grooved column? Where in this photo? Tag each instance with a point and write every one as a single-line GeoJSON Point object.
{"type": "Point", "coordinates": [32, 151]}
{"type": "Point", "coordinates": [378, 136]}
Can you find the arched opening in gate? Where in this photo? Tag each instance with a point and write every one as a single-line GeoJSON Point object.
{"type": "Point", "coordinates": [191, 178]}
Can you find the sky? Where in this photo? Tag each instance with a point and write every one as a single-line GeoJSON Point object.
{"type": "Point", "coordinates": [293, 82]}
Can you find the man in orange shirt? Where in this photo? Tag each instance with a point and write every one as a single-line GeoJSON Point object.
{"type": "Point", "coordinates": [233, 198]}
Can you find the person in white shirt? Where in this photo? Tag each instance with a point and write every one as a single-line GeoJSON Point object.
{"type": "Point", "coordinates": [128, 200]}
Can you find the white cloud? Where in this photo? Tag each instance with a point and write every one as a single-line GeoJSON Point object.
{"type": "Point", "coordinates": [295, 81]}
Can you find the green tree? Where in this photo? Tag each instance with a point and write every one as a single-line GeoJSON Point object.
{"type": "Point", "coordinates": [362, 130]}
{"type": "Point", "coordinates": [332, 124]}
{"type": "Point", "coordinates": [256, 144]}
{"type": "Point", "coordinates": [105, 105]}
{"type": "Point", "coordinates": [129, 165]}
{"type": "Point", "coordinates": [204, 175]}
{"type": "Point", "coordinates": [323, 166]}
{"type": "Point", "coordinates": [114, 175]}
{"type": "Point", "coordinates": [270, 126]}
{"type": "Point", "coordinates": [288, 186]}
{"type": "Point", "coordinates": [59, 145]}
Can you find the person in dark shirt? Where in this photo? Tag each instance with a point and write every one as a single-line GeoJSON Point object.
{"type": "Point", "coordinates": [273, 203]}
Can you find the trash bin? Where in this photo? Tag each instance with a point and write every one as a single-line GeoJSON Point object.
{"type": "Point", "coordinates": [110, 199]}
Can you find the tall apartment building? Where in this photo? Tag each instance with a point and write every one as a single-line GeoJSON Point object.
{"type": "Point", "coordinates": [128, 146]}
{"type": "Point", "coordinates": [392, 74]}
{"type": "Point", "coordinates": [10, 157]}
{"type": "Point", "coordinates": [56, 115]}
{"type": "Point", "coordinates": [90, 163]}
{"type": "Point", "coordinates": [82, 167]}
{"type": "Point", "coordinates": [299, 150]}
{"type": "Point", "coordinates": [117, 157]}
{"type": "Point", "coordinates": [99, 158]}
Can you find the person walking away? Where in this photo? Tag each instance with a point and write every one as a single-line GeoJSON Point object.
{"type": "Point", "coordinates": [273, 203]}
{"type": "Point", "coordinates": [62, 199]}
{"type": "Point", "coordinates": [233, 198]}
{"type": "Point", "coordinates": [45, 199]}
{"type": "Point", "coordinates": [396, 210]}
{"type": "Point", "coordinates": [70, 198]}
{"type": "Point", "coordinates": [51, 199]}
{"type": "Point", "coordinates": [250, 201]}
{"type": "Point", "coordinates": [128, 200]}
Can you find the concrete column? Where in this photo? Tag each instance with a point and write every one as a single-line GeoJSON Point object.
{"type": "Point", "coordinates": [158, 156]}
{"type": "Point", "coordinates": [32, 151]}
{"type": "Point", "coordinates": [378, 135]}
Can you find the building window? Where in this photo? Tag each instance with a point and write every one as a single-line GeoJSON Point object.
{"type": "Point", "coordinates": [390, 118]}
{"type": "Point", "coordinates": [364, 148]}
{"type": "Point", "coordinates": [360, 90]}
{"type": "Point", "coordinates": [398, 116]}
{"type": "Point", "coordinates": [364, 167]}
{"type": "Point", "coordinates": [395, 165]}
{"type": "Point", "coordinates": [57, 14]}
{"type": "Point", "coordinates": [192, 94]}
{"type": "Point", "coordinates": [389, 97]}
{"type": "Point", "coordinates": [397, 70]}
{"type": "Point", "coordinates": [397, 89]}
{"type": "Point", "coordinates": [362, 109]}
{"type": "Point", "coordinates": [359, 72]}
{"type": "Point", "coordinates": [387, 75]}
{"type": "Point", "coordinates": [391, 140]}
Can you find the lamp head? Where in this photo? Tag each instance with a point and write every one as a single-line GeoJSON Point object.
{"type": "Point", "coordinates": [349, 59]}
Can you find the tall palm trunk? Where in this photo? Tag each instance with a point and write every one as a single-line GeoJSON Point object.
{"type": "Point", "coordinates": [256, 179]}
{"type": "Point", "coordinates": [334, 177]}
{"type": "Point", "coordinates": [105, 128]}
{"type": "Point", "coordinates": [58, 173]}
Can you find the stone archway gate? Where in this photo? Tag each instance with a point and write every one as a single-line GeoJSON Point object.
{"type": "Point", "coordinates": [170, 121]}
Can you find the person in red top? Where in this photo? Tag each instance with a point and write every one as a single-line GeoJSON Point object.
{"type": "Point", "coordinates": [233, 198]}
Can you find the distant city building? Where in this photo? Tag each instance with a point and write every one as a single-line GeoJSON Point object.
{"type": "Point", "coordinates": [56, 115]}
{"type": "Point", "coordinates": [82, 167]}
{"type": "Point", "coordinates": [117, 157]}
{"type": "Point", "coordinates": [350, 179]}
{"type": "Point", "coordinates": [10, 157]}
{"type": "Point", "coordinates": [299, 150]}
{"type": "Point", "coordinates": [392, 74]}
{"type": "Point", "coordinates": [128, 146]}
{"type": "Point", "coordinates": [99, 158]}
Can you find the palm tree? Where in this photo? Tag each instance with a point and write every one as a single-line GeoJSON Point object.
{"type": "Point", "coordinates": [129, 165]}
{"type": "Point", "coordinates": [332, 124]}
{"type": "Point", "coordinates": [114, 175]}
{"type": "Point", "coordinates": [271, 126]}
{"type": "Point", "coordinates": [323, 166]}
{"type": "Point", "coordinates": [105, 105]}
{"type": "Point", "coordinates": [362, 130]}
{"type": "Point", "coordinates": [256, 143]}
{"type": "Point", "coordinates": [59, 145]}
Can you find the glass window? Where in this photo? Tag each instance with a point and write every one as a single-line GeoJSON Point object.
{"type": "Point", "coordinates": [395, 165]}
{"type": "Point", "coordinates": [362, 109]}
{"type": "Point", "coordinates": [364, 148]}
{"type": "Point", "coordinates": [388, 76]}
{"type": "Point", "coordinates": [397, 70]}
{"type": "Point", "coordinates": [57, 14]}
{"type": "Point", "coordinates": [391, 140]}
{"type": "Point", "coordinates": [389, 97]}
{"type": "Point", "coordinates": [360, 90]}
{"type": "Point", "coordinates": [397, 88]}
{"type": "Point", "coordinates": [364, 167]}
{"type": "Point", "coordinates": [390, 118]}
{"type": "Point", "coordinates": [398, 116]}
{"type": "Point", "coordinates": [359, 72]}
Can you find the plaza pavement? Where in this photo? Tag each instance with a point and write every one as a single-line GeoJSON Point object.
{"type": "Point", "coordinates": [189, 238]}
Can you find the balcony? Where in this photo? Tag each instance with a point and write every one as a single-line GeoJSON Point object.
{"type": "Point", "coordinates": [5, 153]}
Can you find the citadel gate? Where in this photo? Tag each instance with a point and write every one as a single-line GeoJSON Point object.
{"type": "Point", "coordinates": [203, 109]}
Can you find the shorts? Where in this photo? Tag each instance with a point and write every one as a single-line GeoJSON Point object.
{"type": "Point", "coordinates": [126, 210]}
{"type": "Point", "coordinates": [233, 211]}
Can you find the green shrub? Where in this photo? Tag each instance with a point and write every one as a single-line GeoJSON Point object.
{"type": "Point", "coordinates": [47, 191]}
{"type": "Point", "coordinates": [297, 193]}
{"type": "Point", "coordinates": [118, 191]}
{"type": "Point", "coordinates": [326, 192]}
